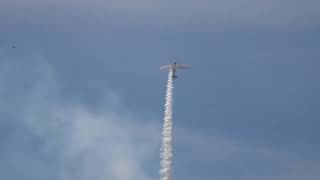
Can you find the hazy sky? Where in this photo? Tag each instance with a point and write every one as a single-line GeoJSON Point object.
{"type": "Point", "coordinates": [81, 94]}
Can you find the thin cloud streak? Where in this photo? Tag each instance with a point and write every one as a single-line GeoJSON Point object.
{"type": "Point", "coordinates": [272, 14]}
{"type": "Point", "coordinates": [248, 161]}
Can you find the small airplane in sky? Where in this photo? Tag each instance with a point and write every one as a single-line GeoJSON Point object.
{"type": "Point", "coordinates": [173, 66]}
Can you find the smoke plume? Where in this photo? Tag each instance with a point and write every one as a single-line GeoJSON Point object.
{"type": "Point", "coordinates": [166, 146]}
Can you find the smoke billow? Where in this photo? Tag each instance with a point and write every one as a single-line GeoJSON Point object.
{"type": "Point", "coordinates": [166, 146]}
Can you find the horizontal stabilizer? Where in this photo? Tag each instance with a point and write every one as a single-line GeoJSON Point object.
{"type": "Point", "coordinates": [177, 66]}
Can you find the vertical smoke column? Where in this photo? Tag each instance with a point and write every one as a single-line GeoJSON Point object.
{"type": "Point", "coordinates": [166, 146]}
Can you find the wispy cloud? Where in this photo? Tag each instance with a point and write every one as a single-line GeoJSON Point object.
{"type": "Point", "coordinates": [53, 140]}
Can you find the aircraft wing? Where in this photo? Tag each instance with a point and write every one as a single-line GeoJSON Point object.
{"type": "Point", "coordinates": [182, 66]}
{"type": "Point", "coordinates": [166, 67]}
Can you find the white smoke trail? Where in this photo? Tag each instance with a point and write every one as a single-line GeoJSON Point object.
{"type": "Point", "coordinates": [166, 146]}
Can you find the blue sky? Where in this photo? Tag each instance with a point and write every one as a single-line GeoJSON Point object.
{"type": "Point", "coordinates": [82, 95]}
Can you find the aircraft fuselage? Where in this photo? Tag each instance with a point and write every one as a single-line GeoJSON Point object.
{"type": "Point", "coordinates": [174, 70]}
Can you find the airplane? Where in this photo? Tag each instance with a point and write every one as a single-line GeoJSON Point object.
{"type": "Point", "coordinates": [173, 66]}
